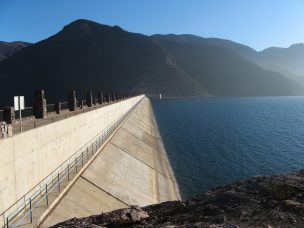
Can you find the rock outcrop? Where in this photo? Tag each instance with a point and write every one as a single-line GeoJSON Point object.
{"type": "Point", "coordinates": [274, 201]}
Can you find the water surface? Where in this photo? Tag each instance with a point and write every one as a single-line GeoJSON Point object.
{"type": "Point", "coordinates": [215, 141]}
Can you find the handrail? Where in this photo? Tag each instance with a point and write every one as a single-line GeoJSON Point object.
{"type": "Point", "coordinates": [32, 196]}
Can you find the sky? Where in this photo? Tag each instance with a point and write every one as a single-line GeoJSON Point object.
{"type": "Point", "coordinates": [256, 23]}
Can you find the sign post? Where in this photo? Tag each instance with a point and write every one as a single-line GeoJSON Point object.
{"type": "Point", "coordinates": [19, 105]}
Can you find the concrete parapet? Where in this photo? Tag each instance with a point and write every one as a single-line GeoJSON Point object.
{"type": "Point", "coordinates": [89, 99]}
{"type": "Point", "coordinates": [72, 101]}
{"type": "Point", "coordinates": [40, 105]}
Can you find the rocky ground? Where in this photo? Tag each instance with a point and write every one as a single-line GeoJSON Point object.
{"type": "Point", "coordinates": [274, 201]}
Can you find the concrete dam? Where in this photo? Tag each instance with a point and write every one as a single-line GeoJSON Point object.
{"type": "Point", "coordinates": [108, 157]}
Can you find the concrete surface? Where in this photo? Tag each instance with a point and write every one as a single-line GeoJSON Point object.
{"type": "Point", "coordinates": [29, 157]}
{"type": "Point", "coordinates": [132, 169]}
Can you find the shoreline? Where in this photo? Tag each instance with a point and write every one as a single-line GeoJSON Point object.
{"type": "Point", "coordinates": [166, 153]}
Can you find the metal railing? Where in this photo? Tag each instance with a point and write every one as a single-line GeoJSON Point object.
{"type": "Point", "coordinates": [24, 207]}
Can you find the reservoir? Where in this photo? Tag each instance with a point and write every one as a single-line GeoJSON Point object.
{"type": "Point", "coordinates": [216, 141]}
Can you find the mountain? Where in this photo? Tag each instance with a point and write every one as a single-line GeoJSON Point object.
{"type": "Point", "coordinates": [227, 44]}
{"type": "Point", "coordinates": [286, 61]}
{"type": "Point", "coordinates": [7, 49]}
{"type": "Point", "coordinates": [86, 55]}
{"type": "Point", "coordinates": [289, 61]}
{"type": "Point", "coordinates": [223, 69]}
{"type": "Point", "coordinates": [89, 56]}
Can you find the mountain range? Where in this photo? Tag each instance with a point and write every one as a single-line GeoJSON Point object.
{"type": "Point", "coordinates": [86, 55]}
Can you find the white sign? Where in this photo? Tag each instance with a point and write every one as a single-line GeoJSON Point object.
{"type": "Point", "coordinates": [16, 103]}
{"type": "Point", "coordinates": [19, 102]}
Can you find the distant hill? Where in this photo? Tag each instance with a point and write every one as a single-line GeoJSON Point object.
{"type": "Point", "coordinates": [7, 49]}
{"type": "Point", "coordinates": [89, 56]}
{"type": "Point", "coordinates": [221, 67]}
{"type": "Point", "coordinates": [289, 61]}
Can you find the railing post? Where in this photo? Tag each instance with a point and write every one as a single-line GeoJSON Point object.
{"type": "Point", "coordinates": [46, 195]}
{"type": "Point", "coordinates": [81, 105]}
{"type": "Point", "coordinates": [76, 163]}
{"type": "Point", "coordinates": [89, 99]}
{"type": "Point", "coordinates": [113, 96]}
{"type": "Point", "coordinates": [58, 107]}
{"type": "Point", "coordinates": [7, 222]}
{"type": "Point", "coordinates": [31, 213]}
{"type": "Point", "coordinates": [108, 97]}
{"type": "Point", "coordinates": [82, 158]}
{"type": "Point", "coordinates": [68, 172]}
{"type": "Point", "coordinates": [100, 97]}
{"type": "Point", "coordinates": [58, 182]}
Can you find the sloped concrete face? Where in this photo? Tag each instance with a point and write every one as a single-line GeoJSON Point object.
{"type": "Point", "coordinates": [132, 169]}
{"type": "Point", "coordinates": [123, 176]}
{"type": "Point", "coordinates": [83, 200]}
{"type": "Point", "coordinates": [29, 157]}
{"type": "Point", "coordinates": [137, 149]}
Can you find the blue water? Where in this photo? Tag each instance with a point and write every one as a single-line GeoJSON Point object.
{"type": "Point", "coordinates": [216, 141]}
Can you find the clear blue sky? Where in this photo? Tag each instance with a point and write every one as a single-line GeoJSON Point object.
{"type": "Point", "coordinates": [257, 23]}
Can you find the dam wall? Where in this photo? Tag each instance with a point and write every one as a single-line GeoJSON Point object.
{"type": "Point", "coordinates": [29, 157]}
{"type": "Point", "coordinates": [131, 169]}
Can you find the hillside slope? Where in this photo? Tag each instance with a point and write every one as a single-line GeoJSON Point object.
{"type": "Point", "coordinates": [89, 56]}
{"type": "Point", "coordinates": [289, 61]}
{"type": "Point", "coordinates": [221, 68]}
{"type": "Point", "coordinates": [7, 49]}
